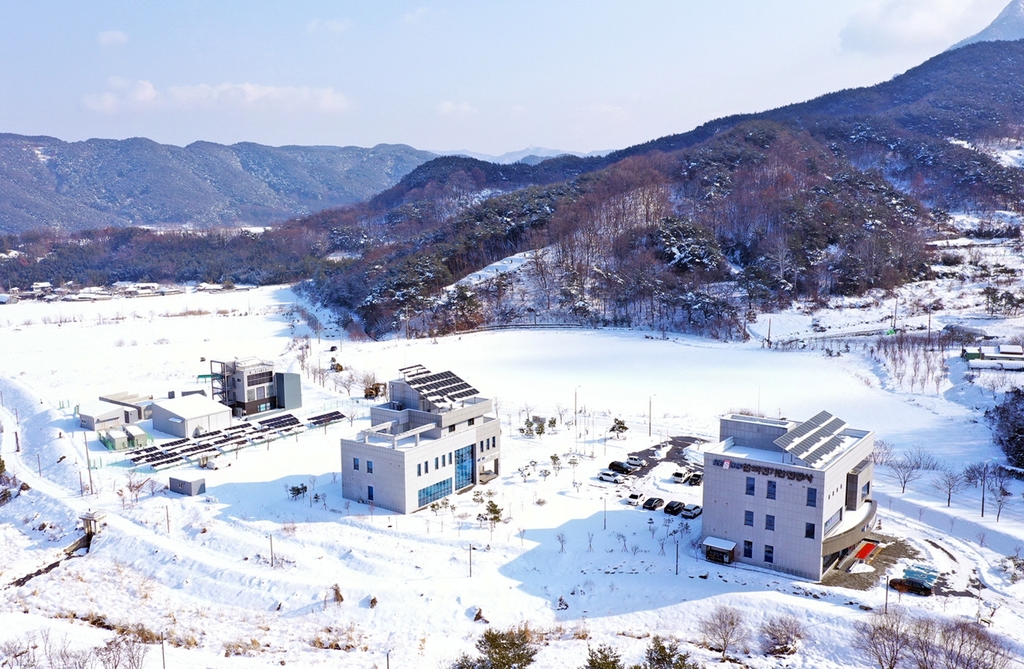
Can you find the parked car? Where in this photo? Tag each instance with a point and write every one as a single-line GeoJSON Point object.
{"type": "Point", "coordinates": [610, 476]}
{"type": "Point", "coordinates": [673, 508]}
{"type": "Point", "coordinates": [635, 498]}
{"type": "Point", "coordinates": [636, 461]}
{"type": "Point", "coordinates": [681, 477]}
{"type": "Point", "coordinates": [696, 479]}
{"type": "Point", "coordinates": [654, 503]}
{"type": "Point", "coordinates": [621, 467]}
{"type": "Point", "coordinates": [691, 511]}
{"type": "Point", "coordinates": [913, 585]}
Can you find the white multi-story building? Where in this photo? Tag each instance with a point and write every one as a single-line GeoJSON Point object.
{"type": "Point", "coordinates": [787, 495]}
{"type": "Point", "coordinates": [433, 438]}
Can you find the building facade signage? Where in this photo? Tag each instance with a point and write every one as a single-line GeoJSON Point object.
{"type": "Point", "coordinates": [763, 471]}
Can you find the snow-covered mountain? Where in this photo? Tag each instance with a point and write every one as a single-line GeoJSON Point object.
{"type": "Point", "coordinates": [1008, 27]}
{"type": "Point", "coordinates": [530, 155]}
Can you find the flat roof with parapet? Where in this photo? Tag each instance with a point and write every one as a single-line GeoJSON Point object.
{"type": "Point", "coordinates": [192, 406]}
{"type": "Point", "coordinates": [246, 363]}
{"type": "Point", "coordinates": [814, 442]}
{"type": "Point", "coordinates": [98, 408]}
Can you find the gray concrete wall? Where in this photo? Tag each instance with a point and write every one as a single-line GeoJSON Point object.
{"type": "Point", "coordinates": [751, 432]}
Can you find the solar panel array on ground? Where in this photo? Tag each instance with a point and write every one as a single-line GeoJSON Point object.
{"type": "Point", "coordinates": [325, 419]}
{"type": "Point", "coordinates": [213, 444]}
{"type": "Point", "coordinates": [281, 422]}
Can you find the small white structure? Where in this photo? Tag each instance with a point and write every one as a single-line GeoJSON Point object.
{"type": "Point", "coordinates": [98, 415]}
{"type": "Point", "coordinates": [185, 487]}
{"type": "Point", "coordinates": [190, 416]}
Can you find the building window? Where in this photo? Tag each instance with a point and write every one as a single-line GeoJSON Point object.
{"type": "Point", "coordinates": [463, 467]}
{"type": "Point", "coordinates": [369, 466]}
{"type": "Point", "coordinates": [355, 464]}
{"type": "Point", "coordinates": [451, 428]}
{"type": "Point", "coordinates": [748, 518]}
{"type": "Point", "coordinates": [369, 493]}
{"type": "Point", "coordinates": [426, 467]}
{"type": "Point", "coordinates": [434, 492]}
{"type": "Point", "coordinates": [812, 497]}
{"type": "Point", "coordinates": [419, 470]}
{"type": "Point", "coordinates": [769, 522]}
{"type": "Point", "coordinates": [471, 421]}
{"type": "Point", "coordinates": [865, 490]}
{"type": "Point", "coordinates": [808, 530]}
{"type": "Point", "coordinates": [748, 549]}
{"type": "Point", "coordinates": [834, 520]}
{"type": "Point", "coordinates": [436, 466]}
{"type": "Point", "coordinates": [771, 490]}
{"type": "Point", "coordinates": [769, 554]}
{"type": "Point", "coordinates": [449, 458]}
{"type": "Point", "coordinates": [750, 485]}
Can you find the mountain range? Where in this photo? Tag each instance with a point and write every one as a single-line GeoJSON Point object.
{"type": "Point", "coordinates": [49, 183]}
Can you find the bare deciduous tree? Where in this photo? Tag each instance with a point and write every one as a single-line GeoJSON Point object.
{"type": "Point", "coordinates": [949, 483]}
{"type": "Point", "coordinates": [883, 453]}
{"type": "Point", "coordinates": [884, 638]}
{"type": "Point", "coordinates": [966, 645]}
{"type": "Point", "coordinates": [562, 540]}
{"type": "Point", "coordinates": [905, 470]}
{"type": "Point", "coordinates": [723, 629]}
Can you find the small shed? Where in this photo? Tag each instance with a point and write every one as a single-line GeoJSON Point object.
{"type": "Point", "coordinates": [115, 439]}
{"type": "Point", "coordinates": [191, 488]}
{"type": "Point", "coordinates": [137, 437]}
{"type": "Point", "coordinates": [719, 550]}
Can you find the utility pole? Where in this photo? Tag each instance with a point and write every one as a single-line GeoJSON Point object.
{"type": "Point", "coordinates": [650, 418]}
{"type": "Point", "coordinates": [471, 560]}
{"type": "Point", "coordinates": [984, 473]}
{"type": "Point", "coordinates": [167, 510]}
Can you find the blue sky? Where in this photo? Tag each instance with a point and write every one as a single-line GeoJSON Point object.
{"type": "Point", "coordinates": [486, 76]}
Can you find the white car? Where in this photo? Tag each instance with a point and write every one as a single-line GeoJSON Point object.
{"type": "Point", "coordinates": [610, 476]}
{"type": "Point", "coordinates": [636, 461]}
{"type": "Point", "coordinates": [681, 477]}
{"type": "Point", "coordinates": [635, 498]}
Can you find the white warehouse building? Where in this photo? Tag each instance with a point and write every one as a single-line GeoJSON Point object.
{"type": "Point", "coordinates": [787, 495]}
{"type": "Point", "coordinates": [433, 438]}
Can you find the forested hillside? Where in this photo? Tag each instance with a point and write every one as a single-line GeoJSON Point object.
{"type": "Point", "coordinates": [834, 196]}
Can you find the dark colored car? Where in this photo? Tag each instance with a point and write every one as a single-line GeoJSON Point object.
{"type": "Point", "coordinates": [696, 479]}
{"type": "Point", "coordinates": [673, 508]}
{"type": "Point", "coordinates": [621, 467]}
{"type": "Point", "coordinates": [654, 503]}
{"type": "Point", "coordinates": [913, 585]}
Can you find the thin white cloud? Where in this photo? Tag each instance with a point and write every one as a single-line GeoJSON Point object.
{"type": "Point", "coordinates": [886, 26]}
{"type": "Point", "coordinates": [327, 26]}
{"type": "Point", "coordinates": [416, 16]}
{"type": "Point", "coordinates": [139, 96]}
{"type": "Point", "coordinates": [449, 108]}
{"type": "Point", "coordinates": [112, 38]}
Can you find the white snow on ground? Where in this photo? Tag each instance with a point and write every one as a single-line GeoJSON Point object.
{"type": "Point", "coordinates": [198, 569]}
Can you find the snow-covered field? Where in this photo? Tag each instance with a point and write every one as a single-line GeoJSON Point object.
{"type": "Point", "coordinates": [198, 569]}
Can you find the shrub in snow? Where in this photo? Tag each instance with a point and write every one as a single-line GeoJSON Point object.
{"type": "Point", "coordinates": [666, 655]}
{"type": "Point", "coordinates": [513, 648]}
{"type": "Point", "coordinates": [781, 634]}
